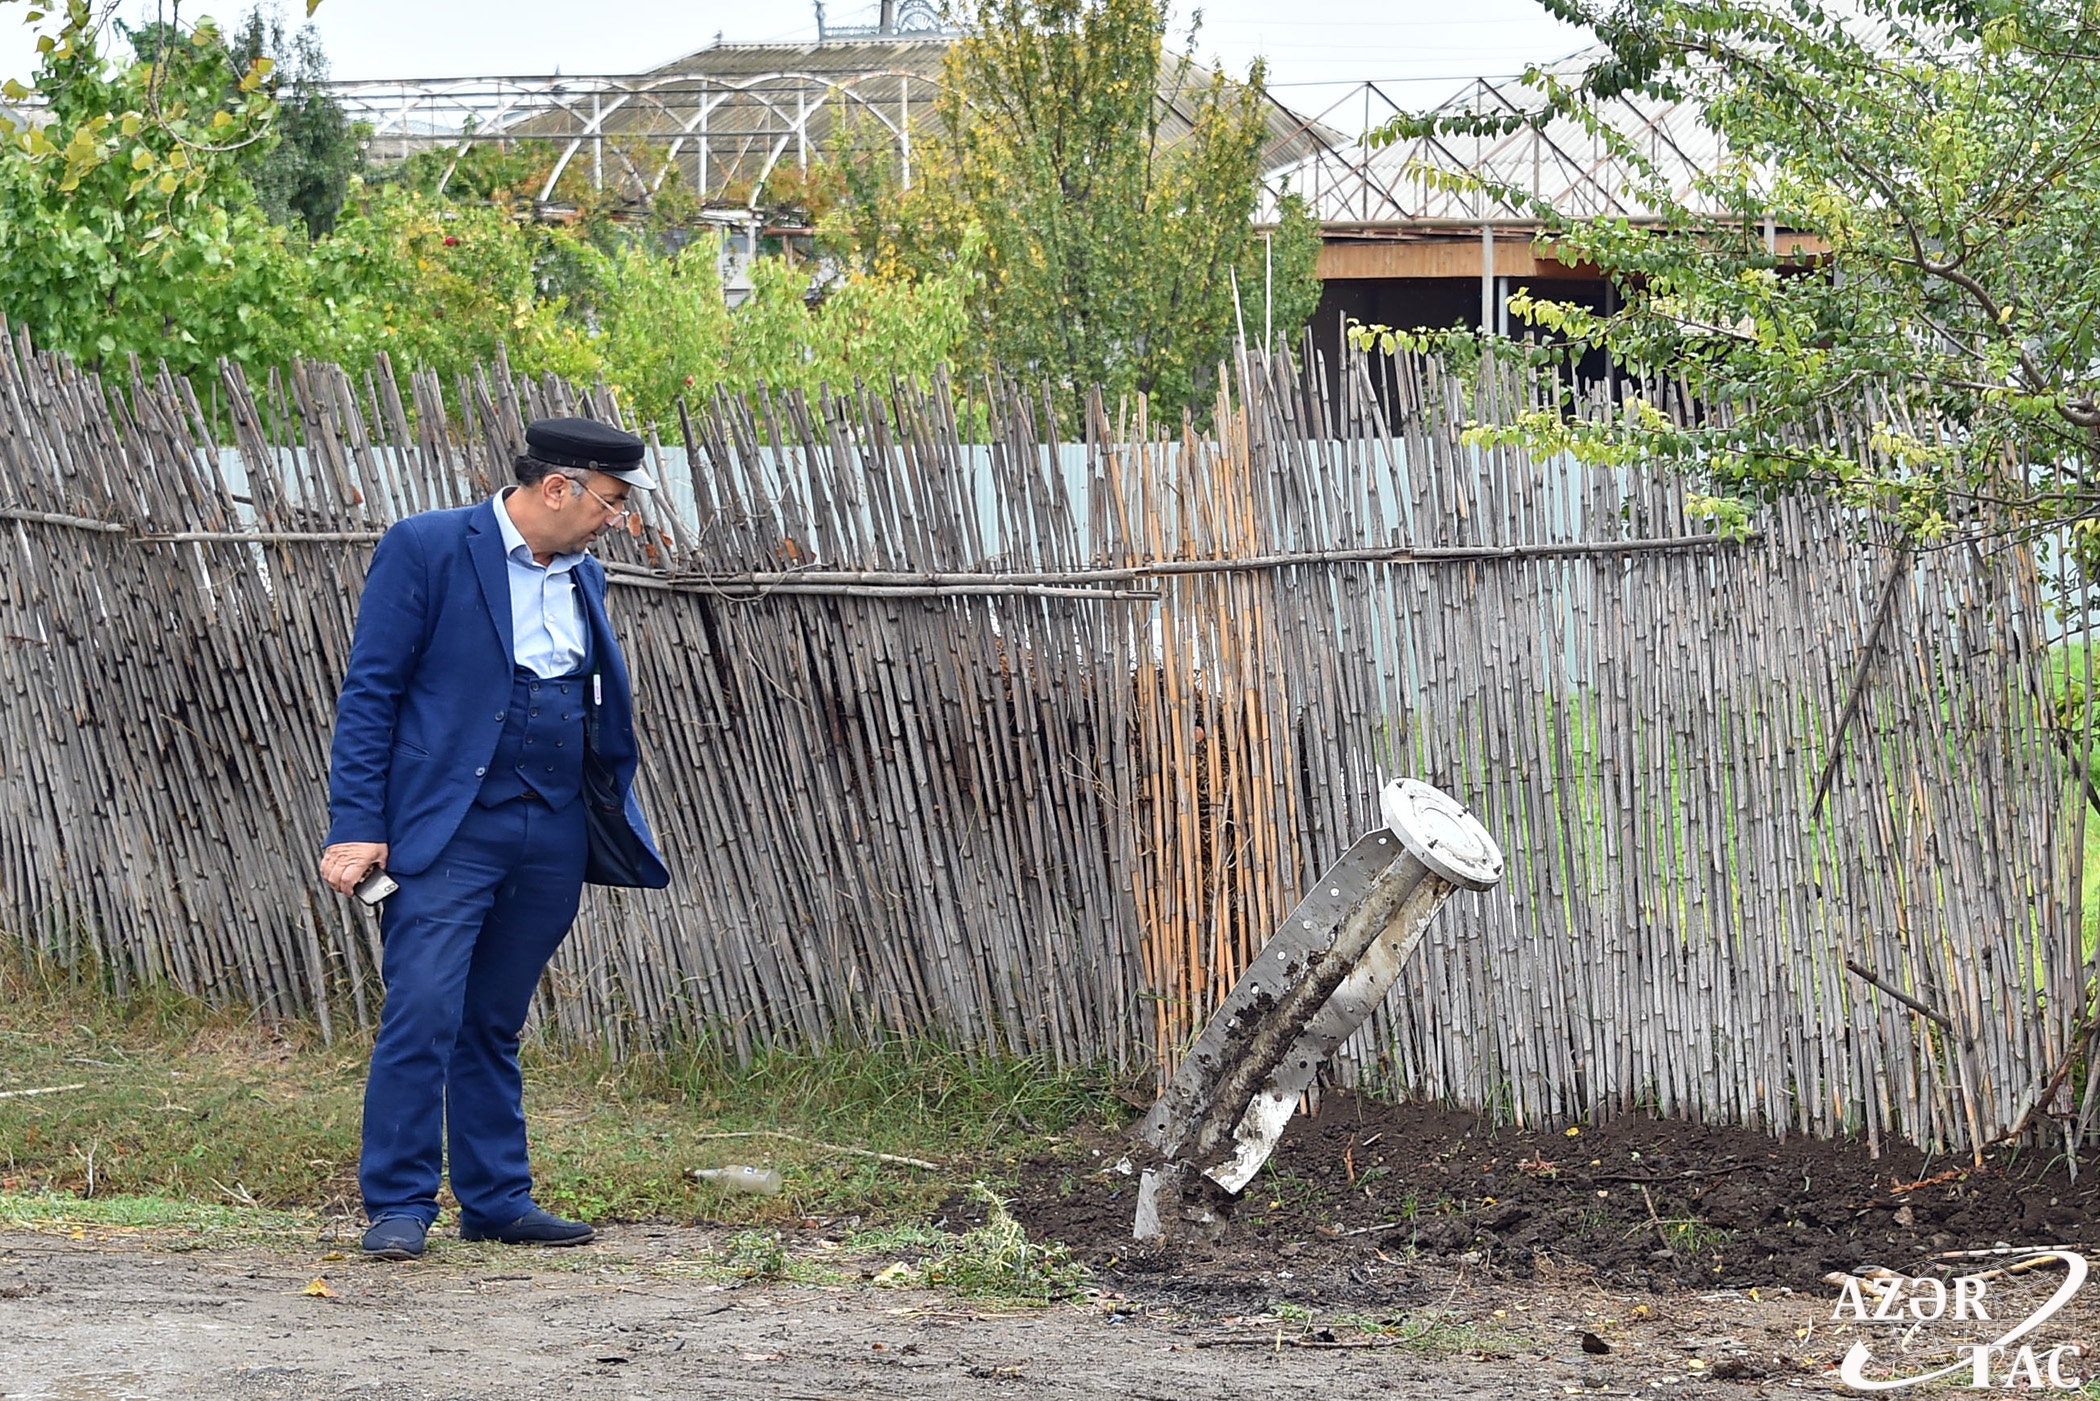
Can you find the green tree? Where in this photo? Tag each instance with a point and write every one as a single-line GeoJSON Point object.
{"type": "Point", "coordinates": [1287, 263]}
{"type": "Point", "coordinates": [506, 172]}
{"type": "Point", "coordinates": [667, 332]}
{"type": "Point", "coordinates": [1107, 247]}
{"type": "Point", "coordinates": [129, 224]}
{"type": "Point", "coordinates": [304, 173]}
{"type": "Point", "coordinates": [439, 286]}
{"type": "Point", "coordinates": [1939, 163]}
{"type": "Point", "coordinates": [125, 222]}
{"type": "Point", "coordinates": [1112, 185]}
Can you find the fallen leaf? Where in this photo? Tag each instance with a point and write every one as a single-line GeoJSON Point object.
{"type": "Point", "coordinates": [335, 1255]}
{"type": "Point", "coordinates": [318, 1290]}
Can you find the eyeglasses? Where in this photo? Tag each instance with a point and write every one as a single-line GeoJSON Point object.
{"type": "Point", "coordinates": [617, 511]}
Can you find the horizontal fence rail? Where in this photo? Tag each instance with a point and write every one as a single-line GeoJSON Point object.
{"type": "Point", "coordinates": [1026, 742]}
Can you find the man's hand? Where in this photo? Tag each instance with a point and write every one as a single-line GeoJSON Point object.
{"type": "Point", "coordinates": [344, 864]}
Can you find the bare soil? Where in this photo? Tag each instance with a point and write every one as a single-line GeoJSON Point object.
{"type": "Point", "coordinates": [644, 1313]}
{"type": "Point", "coordinates": [1359, 1197]}
{"type": "Point", "coordinates": [132, 1320]}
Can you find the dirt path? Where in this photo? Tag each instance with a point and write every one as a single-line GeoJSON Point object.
{"type": "Point", "coordinates": [634, 1317]}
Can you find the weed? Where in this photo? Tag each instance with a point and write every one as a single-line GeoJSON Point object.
{"type": "Point", "coordinates": [997, 1260]}
{"type": "Point", "coordinates": [1693, 1237]}
{"type": "Point", "coordinates": [894, 1240]}
{"type": "Point", "coordinates": [1286, 1188]}
{"type": "Point", "coordinates": [755, 1255]}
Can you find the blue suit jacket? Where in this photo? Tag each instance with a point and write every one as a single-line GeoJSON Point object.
{"type": "Point", "coordinates": [429, 679]}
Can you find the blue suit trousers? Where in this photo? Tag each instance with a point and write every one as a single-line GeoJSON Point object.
{"type": "Point", "coordinates": [466, 940]}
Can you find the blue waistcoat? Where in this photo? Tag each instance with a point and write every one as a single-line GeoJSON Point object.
{"type": "Point", "coordinates": [542, 747]}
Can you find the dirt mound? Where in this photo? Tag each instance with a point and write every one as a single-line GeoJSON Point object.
{"type": "Point", "coordinates": [1358, 1197]}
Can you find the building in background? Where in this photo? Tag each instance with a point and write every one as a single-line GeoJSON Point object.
{"type": "Point", "coordinates": [1409, 238]}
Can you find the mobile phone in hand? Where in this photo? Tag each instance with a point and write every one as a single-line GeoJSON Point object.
{"type": "Point", "coordinates": [376, 886]}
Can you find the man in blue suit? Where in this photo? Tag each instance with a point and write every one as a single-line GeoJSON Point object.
{"type": "Point", "coordinates": [484, 757]}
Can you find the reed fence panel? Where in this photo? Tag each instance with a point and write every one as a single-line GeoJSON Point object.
{"type": "Point", "coordinates": [962, 720]}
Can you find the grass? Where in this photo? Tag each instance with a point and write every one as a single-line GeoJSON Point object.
{"type": "Point", "coordinates": [207, 1111]}
{"type": "Point", "coordinates": [199, 1223]}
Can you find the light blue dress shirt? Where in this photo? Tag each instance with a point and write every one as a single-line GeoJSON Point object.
{"type": "Point", "coordinates": [546, 616]}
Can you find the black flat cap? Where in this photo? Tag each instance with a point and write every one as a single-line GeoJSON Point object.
{"type": "Point", "coordinates": [585, 442]}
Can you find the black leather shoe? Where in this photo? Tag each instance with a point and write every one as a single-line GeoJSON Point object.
{"type": "Point", "coordinates": [395, 1238]}
{"type": "Point", "coordinates": [535, 1227]}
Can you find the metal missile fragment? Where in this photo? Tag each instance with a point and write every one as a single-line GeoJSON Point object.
{"type": "Point", "coordinates": [1319, 976]}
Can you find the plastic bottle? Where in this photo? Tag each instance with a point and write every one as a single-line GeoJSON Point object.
{"type": "Point", "coordinates": [737, 1178]}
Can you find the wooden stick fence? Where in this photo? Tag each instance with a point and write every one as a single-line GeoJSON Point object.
{"type": "Point", "coordinates": [1028, 742]}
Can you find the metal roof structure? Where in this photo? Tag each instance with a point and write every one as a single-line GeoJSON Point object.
{"type": "Point", "coordinates": [1410, 186]}
{"type": "Point", "coordinates": [910, 17]}
{"type": "Point", "coordinates": [725, 116]}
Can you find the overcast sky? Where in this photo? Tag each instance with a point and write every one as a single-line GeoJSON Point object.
{"type": "Point", "coordinates": [1305, 41]}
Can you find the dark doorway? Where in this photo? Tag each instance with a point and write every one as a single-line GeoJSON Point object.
{"type": "Point", "coordinates": [1408, 303]}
